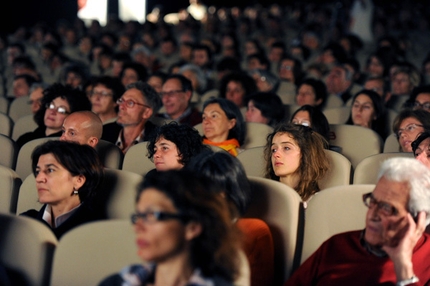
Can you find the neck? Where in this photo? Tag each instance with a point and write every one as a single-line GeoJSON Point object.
{"type": "Point", "coordinates": [177, 115]}
{"type": "Point", "coordinates": [64, 207]}
{"type": "Point", "coordinates": [218, 139]}
{"type": "Point", "coordinates": [174, 271]}
{"type": "Point", "coordinates": [290, 180]}
{"type": "Point", "coordinates": [106, 116]}
{"type": "Point", "coordinates": [49, 131]}
{"type": "Point", "coordinates": [130, 132]}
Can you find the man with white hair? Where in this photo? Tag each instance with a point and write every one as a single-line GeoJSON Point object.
{"type": "Point", "coordinates": [393, 248]}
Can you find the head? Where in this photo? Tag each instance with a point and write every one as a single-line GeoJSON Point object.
{"type": "Point", "coordinates": [59, 171]}
{"type": "Point", "coordinates": [201, 56]}
{"type": "Point", "coordinates": [378, 84]}
{"type": "Point", "coordinates": [264, 107]}
{"type": "Point", "coordinates": [235, 86]}
{"type": "Point", "coordinates": [404, 80]}
{"type": "Point", "coordinates": [83, 127]}
{"type": "Point", "coordinates": [296, 151]}
{"type": "Point", "coordinates": [311, 92]}
{"type": "Point", "coordinates": [419, 98]}
{"type": "Point", "coordinates": [176, 94]}
{"type": "Point", "coordinates": [22, 84]}
{"type": "Point", "coordinates": [36, 95]}
{"type": "Point", "coordinates": [137, 105]}
{"type": "Point", "coordinates": [402, 188]}
{"type": "Point", "coordinates": [76, 74]}
{"type": "Point", "coordinates": [179, 213]}
{"type": "Point", "coordinates": [408, 124]}
{"type": "Point", "coordinates": [313, 117]}
{"type": "Point", "coordinates": [228, 174]}
{"type": "Point", "coordinates": [132, 72]}
{"type": "Point", "coordinates": [156, 80]}
{"type": "Point", "coordinates": [265, 80]}
{"type": "Point", "coordinates": [257, 61]}
{"type": "Point", "coordinates": [367, 107]}
{"type": "Point", "coordinates": [223, 120]}
{"type": "Point", "coordinates": [173, 145]}
{"type": "Point", "coordinates": [421, 148]}
{"type": "Point", "coordinates": [290, 69]}
{"type": "Point", "coordinates": [105, 92]}
{"type": "Point", "coordinates": [196, 75]}
{"type": "Point", "coordinates": [339, 79]}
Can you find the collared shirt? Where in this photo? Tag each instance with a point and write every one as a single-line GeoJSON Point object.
{"type": "Point", "coordinates": [183, 115]}
{"type": "Point", "coordinates": [47, 216]}
{"type": "Point", "coordinates": [120, 141]}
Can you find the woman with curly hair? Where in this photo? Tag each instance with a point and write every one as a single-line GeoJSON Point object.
{"type": "Point", "coordinates": [295, 156]}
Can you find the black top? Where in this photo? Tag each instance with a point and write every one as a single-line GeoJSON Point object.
{"type": "Point", "coordinates": [39, 132]}
{"type": "Point", "coordinates": [111, 131]}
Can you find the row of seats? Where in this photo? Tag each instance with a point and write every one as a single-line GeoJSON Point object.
{"type": "Point", "coordinates": [90, 252]}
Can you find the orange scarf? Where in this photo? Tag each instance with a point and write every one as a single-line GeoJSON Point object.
{"type": "Point", "coordinates": [229, 145]}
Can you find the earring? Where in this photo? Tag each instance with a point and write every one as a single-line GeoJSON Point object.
{"type": "Point", "coordinates": [75, 192]}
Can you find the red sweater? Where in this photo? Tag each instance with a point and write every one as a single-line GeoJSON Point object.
{"type": "Point", "coordinates": [342, 260]}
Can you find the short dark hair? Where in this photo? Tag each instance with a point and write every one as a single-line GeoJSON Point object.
{"type": "Point", "coordinates": [140, 70]}
{"type": "Point", "coordinates": [77, 159]}
{"type": "Point", "coordinates": [112, 83]}
{"type": "Point", "coordinates": [415, 92]}
{"type": "Point", "coordinates": [232, 111]}
{"type": "Point", "coordinates": [423, 136]}
{"type": "Point", "coordinates": [186, 84]}
{"type": "Point", "coordinates": [319, 88]}
{"type": "Point", "coordinates": [187, 139]}
{"type": "Point", "coordinates": [151, 96]}
{"type": "Point", "coordinates": [270, 105]}
{"type": "Point", "coordinates": [247, 82]}
{"type": "Point", "coordinates": [262, 58]}
{"type": "Point", "coordinates": [319, 122]}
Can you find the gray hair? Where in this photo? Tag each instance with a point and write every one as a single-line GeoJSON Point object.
{"type": "Point", "coordinates": [151, 96]}
{"type": "Point", "coordinates": [37, 85]}
{"type": "Point", "coordinates": [413, 172]}
{"type": "Point", "coordinates": [201, 78]}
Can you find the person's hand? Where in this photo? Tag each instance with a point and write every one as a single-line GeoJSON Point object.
{"type": "Point", "coordinates": [400, 238]}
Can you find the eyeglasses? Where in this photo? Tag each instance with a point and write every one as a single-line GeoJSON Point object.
{"type": "Point", "coordinates": [408, 129]}
{"type": "Point", "coordinates": [60, 109]}
{"type": "Point", "coordinates": [288, 68]}
{"type": "Point", "coordinates": [170, 93]}
{"type": "Point", "coordinates": [130, 103]}
{"type": "Point", "coordinates": [101, 93]}
{"type": "Point", "coordinates": [425, 105]}
{"type": "Point", "coordinates": [154, 216]}
{"type": "Point", "coordinates": [301, 122]}
{"type": "Point", "coordinates": [385, 208]}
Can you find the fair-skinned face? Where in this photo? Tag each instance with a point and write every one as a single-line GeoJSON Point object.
{"type": "Point", "coordinates": [129, 76]}
{"type": "Point", "coordinates": [35, 99]}
{"type": "Point", "coordinates": [286, 70]}
{"type": "Point", "coordinates": [20, 87]}
{"type": "Point", "coordinates": [375, 67]}
{"type": "Point", "coordinates": [76, 128]}
{"type": "Point", "coordinates": [166, 155]}
{"type": "Point", "coordinates": [174, 99]}
{"type": "Point", "coordinates": [216, 124]}
{"type": "Point", "coordinates": [235, 93]}
{"type": "Point", "coordinates": [306, 95]}
{"type": "Point", "coordinates": [401, 85]}
{"type": "Point", "coordinates": [409, 133]}
{"type": "Point", "coordinates": [138, 114]}
{"type": "Point", "coordinates": [73, 79]}
{"type": "Point", "coordinates": [336, 81]}
{"type": "Point", "coordinates": [302, 118]}
{"type": "Point", "coordinates": [55, 184]}
{"type": "Point", "coordinates": [286, 155]}
{"type": "Point", "coordinates": [200, 58]}
{"type": "Point", "coordinates": [363, 111]}
{"type": "Point", "coordinates": [395, 194]}
{"type": "Point", "coordinates": [102, 100]}
{"type": "Point", "coordinates": [375, 85]}
{"type": "Point", "coordinates": [423, 99]}
{"type": "Point", "coordinates": [156, 83]}
{"type": "Point", "coordinates": [54, 120]}
{"type": "Point", "coordinates": [253, 114]}
{"type": "Point", "coordinates": [161, 241]}
{"type": "Point", "coordinates": [422, 153]}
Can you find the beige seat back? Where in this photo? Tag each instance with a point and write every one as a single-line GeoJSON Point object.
{"type": "Point", "coordinates": [253, 162]}
{"type": "Point", "coordinates": [19, 107]}
{"type": "Point", "coordinates": [256, 134]}
{"type": "Point", "coordinates": [339, 173]}
{"type": "Point", "coordinates": [110, 155]}
{"type": "Point", "coordinates": [136, 160]}
{"type": "Point", "coordinates": [6, 124]}
{"type": "Point", "coordinates": [27, 247]}
{"type": "Point", "coordinates": [337, 115]}
{"type": "Point", "coordinates": [4, 105]}
{"type": "Point", "coordinates": [23, 162]}
{"type": "Point", "coordinates": [9, 152]}
{"type": "Point", "coordinates": [27, 196]}
{"type": "Point", "coordinates": [89, 253]}
{"type": "Point", "coordinates": [367, 170]}
{"type": "Point", "coordinates": [287, 92]}
{"type": "Point", "coordinates": [333, 101]}
{"type": "Point", "coordinates": [23, 125]}
{"type": "Point", "coordinates": [289, 110]}
{"type": "Point", "coordinates": [331, 211]}
{"type": "Point", "coordinates": [281, 208]}
{"type": "Point", "coordinates": [10, 184]}
{"type": "Point", "coordinates": [356, 142]}
{"type": "Point", "coordinates": [391, 144]}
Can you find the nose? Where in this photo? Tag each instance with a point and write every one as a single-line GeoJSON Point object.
{"type": "Point", "coordinates": [157, 154]}
{"type": "Point", "coordinates": [422, 157]}
{"type": "Point", "coordinates": [40, 178]}
{"type": "Point", "coordinates": [63, 137]}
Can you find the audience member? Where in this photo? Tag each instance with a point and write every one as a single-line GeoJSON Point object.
{"type": "Point", "coordinates": [311, 116]}
{"type": "Point", "coordinates": [83, 127]}
{"type": "Point", "coordinates": [132, 72]}
{"type": "Point", "coordinates": [36, 95]}
{"type": "Point", "coordinates": [408, 124]}
{"type": "Point", "coordinates": [379, 85]}
{"type": "Point", "coordinates": [22, 84]}
{"type": "Point", "coordinates": [265, 108]}
{"type": "Point", "coordinates": [265, 80]}
{"type": "Point", "coordinates": [156, 80]}
{"type": "Point", "coordinates": [235, 86]}
{"type": "Point", "coordinates": [419, 98]}
{"type": "Point", "coordinates": [312, 92]}
{"type": "Point", "coordinates": [104, 94]}
{"type": "Point", "coordinates": [290, 70]}
{"type": "Point", "coordinates": [339, 81]}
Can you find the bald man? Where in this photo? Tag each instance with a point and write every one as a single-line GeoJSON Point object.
{"type": "Point", "coordinates": [83, 127]}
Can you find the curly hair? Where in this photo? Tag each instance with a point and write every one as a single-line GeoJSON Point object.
{"type": "Point", "coordinates": [215, 249]}
{"type": "Point", "coordinates": [187, 139]}
{"type": "Point", "coordinates": [314, 162]}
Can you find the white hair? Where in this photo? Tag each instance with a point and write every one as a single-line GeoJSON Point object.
{"type": "Point", "coordinates": [416, 175]}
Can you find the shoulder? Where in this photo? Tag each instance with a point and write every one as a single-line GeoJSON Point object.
{"type": "Point", "coordinates": [30, 213]}
{"type": "Point", "coordinates": [111, 131]}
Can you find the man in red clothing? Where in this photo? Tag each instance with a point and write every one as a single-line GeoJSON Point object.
{"type": "Point", "coordinates": [393, 247]}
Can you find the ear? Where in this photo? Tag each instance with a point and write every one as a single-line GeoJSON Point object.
{"type": "Point", "coordinates": [93, 141]}
{"type": "Point", "coordinates": [147, 113]}
{"type": "Point", "coordinates": [231, 123]}
{"type": "Point", "coordinates": [188, 95]}
{"type": "Point", "coordinates": [192, 230]}
{"type": "Point", "coordinates": [318, 102]}
{"type": "Point", "coordinates": [79, 181]}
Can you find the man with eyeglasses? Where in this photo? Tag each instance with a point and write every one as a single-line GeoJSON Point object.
{"type": "Point", "coordinates": [176, 97]}
{"type": "Point", "coordinates": [136, 106]}
{"type": "Point", "coordinates": [393, 248]}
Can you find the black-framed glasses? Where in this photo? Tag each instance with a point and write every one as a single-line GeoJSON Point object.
{"type": "Point", "coordinates": [425, 105]}
{"type": "Point", "coordinates": [154, 216]}
{"type": "Point", "coordinates": [60, 109]}
{"type": "Point", "coordinates": [385, 208]}
{"type": "Point", "coordinates": [130, 103]}
{"type": "Point", "coordinates": [408, 129]}
{"type": "Point", "coordinates": [101, 93]}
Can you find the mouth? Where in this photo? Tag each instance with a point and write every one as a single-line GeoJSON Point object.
{"type": "Point", "coordinates": [278, 164]}
{"type": "Point", "coordinates": [141, 243]}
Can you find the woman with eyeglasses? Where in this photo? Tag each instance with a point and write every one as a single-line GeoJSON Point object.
{"type": "Point", "coordinates": [105, 92]}
{"type": "Point", "coordinates": [184, 234]}
{"type": "Point", "coordinates": [295, 156]}
{"type": "Point", "coordinates": [58, 101]}
{"type": "Point", "coordinates": [419, 98]}
{"type": "Point", "coordinates": [311, 116]}
{"type": "Point", "coordinates": [408, 125]}
{"type": "Point", "coordinates": [265, 108]}
{"type": "Point", "coordinates": [421, 148]}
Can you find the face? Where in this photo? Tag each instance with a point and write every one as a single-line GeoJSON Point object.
{"type": "Point", "coordinates": [53, 119]}
{"type": "Point", "coordinates": [275, 54]}
{"type": "Point", "coordinates": [55, 184]}
{"type": "Point", "coordinates": [422, 101]}
{"type": "Point", "coordinates": [102, 100]}
{"type": "Point", "coordinates": [393, 193]}
{"type": "Point", "coordinates": [75, 129]}
{"type": "Point", "coordinates": [375, 85]}
{"type": "Point", "coordinates": [253, 114]}
{"type": "Point", "coordinates": [175, 100]}
{"type": "Point", "coordinates": [254, 63]}
{"type": "Point", "coordinates": [409, 130]}
{"type": "Point", "coordinates": [35, 99]}
{"type": "Point", "coordinates": [73, 79]}
{"type": "Point", "coordinates": [166, 155]}
{"type": "Point", "coordinates": [363, 111]}
{"type": "Point", "coordinates": [216, 124]}
{"type": "Point", "coordinates": [129, 76]}
{"type": "Point", "coordinates": [422, 153]}
{"type": "Point", "coordinates": [336, 81]}
{"type": "Point", "coordinates": [306, 95]}
{"type": "Point", "coordinates": [286, 70]}
{"type": "Point", "coordinates": [302, 118]}
{"type": "Point", "coordinates": [401, 85]}
{"type": "Point", "coordinates": [20, 87]}
{"type": "Point", "coordinates": [200, 58]}
{"type": "Point", "coordinates": [159, 240]}
{"type": "Point", "coordinates": [235, 93]}
{"type": "Point", "coordinates": [136, 115]}
{"type": "Point", "coordinates": [285, 155]}
{"type": "Point", "coordinates": [375, 67]}
{"type": "Point", "coordinates": [156, 83]}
